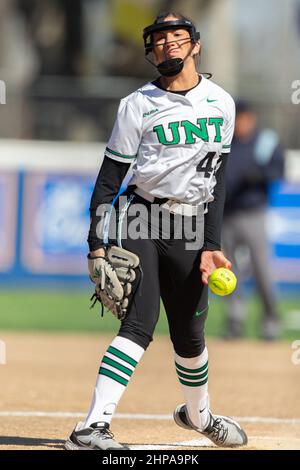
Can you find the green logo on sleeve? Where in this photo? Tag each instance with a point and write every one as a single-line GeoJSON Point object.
{"type": "Point", "coordinates": [149, 113]}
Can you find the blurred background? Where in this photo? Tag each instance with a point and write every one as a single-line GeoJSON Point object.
{"type": "Point", "coordinates": [64, 65]}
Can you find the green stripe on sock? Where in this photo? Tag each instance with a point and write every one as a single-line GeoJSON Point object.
{"type": "Point", "coordinates": [184, 369]}
{"type": "Point", "coordinates": [112, 375]}
{"type": "Point", "coordinates": [193, 384]}
{"type": "Point", "coordinates": [111, 362]}
{"type": "Point", "coordinates": [192, 377]}
{"type": "Point", "coordinates": [121, 355]}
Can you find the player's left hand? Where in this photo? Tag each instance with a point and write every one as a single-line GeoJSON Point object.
{"type": "Point", "coordinates": [211, 260]}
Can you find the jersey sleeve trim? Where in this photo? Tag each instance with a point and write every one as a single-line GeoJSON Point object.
{"type": "Point", "coordinates": [226, 148]}
{"type": "Point", "coordinates": [118, 156]}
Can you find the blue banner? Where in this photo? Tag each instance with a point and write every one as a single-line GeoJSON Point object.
{"type": "Point", "coordinates": [284, 231]}
{"type": "Point", "coordinates": [57, 207]}
{"type": "Point", "coordinates": [44, 223]}
{"type": "Point", "coordinates": [8, 218]}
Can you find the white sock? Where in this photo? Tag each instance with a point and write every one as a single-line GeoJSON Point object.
{"type": "Point", "coordinates": [193, 377]}
{"type": "Point", "coordinates": [117, 366]}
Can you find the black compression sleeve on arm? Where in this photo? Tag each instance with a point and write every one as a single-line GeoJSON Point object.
{"type": "Point", "coordinates": [214, 216]}
{"type": "Point", "coordinates": [108, 183]}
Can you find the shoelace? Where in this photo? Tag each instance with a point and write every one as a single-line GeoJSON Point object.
{"type": "Point", "coordinates": [218, 430]}
{"type": "Point", "coordinates": [103, 432]}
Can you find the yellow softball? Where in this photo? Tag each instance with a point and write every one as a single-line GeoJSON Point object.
{"type": "Point", "coordinates": [222, 281]}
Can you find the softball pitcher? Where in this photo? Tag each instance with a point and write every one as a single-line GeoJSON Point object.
{"type": "Point", "coordinates": [174, 134]}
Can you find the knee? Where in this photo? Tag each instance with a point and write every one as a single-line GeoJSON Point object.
{"type": "Point", "coordinates": [136, 334]}
{"type": "Point", "coordinates": [189, 348]}
{"type": "Point", "coordinates": [188, 338]}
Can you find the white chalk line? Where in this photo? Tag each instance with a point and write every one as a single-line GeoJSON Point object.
{"type": "Point", "coordinates": [139, 416]}
{"type": "Point", "coordinates": [203, 442]}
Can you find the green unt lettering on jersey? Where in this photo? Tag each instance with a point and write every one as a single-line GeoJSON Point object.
{"type": "Point", "coordinates": [173, 126]}
{"type": "Point", "coordinates": [191, 130]}
{"type": "Point", "coordinates": [217, 122]}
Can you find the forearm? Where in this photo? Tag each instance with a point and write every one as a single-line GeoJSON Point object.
{"type": "Point", "coordinates": [214, 216]}
{"type": "Point", "coordinates": [106, 188]}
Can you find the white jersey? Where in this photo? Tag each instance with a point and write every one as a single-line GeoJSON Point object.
{"type": "Point", "coordinates": [175, 141]}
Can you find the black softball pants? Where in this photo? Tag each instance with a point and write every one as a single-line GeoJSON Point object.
{"type": "Point", "coordinates": [169, 271]}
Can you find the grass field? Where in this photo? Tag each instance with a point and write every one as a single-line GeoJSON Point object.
{"type": "Point", "coordinates": [69, 311]}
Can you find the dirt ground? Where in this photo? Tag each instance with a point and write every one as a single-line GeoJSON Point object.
{"type": "Point", "coordinates": [56, 372]}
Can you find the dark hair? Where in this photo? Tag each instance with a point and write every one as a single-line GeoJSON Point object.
{"type": "Point", "coordinates": [163, 15]}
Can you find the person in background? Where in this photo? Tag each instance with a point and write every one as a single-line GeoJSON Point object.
{"type": "Point", "coordinates": [256, 161]}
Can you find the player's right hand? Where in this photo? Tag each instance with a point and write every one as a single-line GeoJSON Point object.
{"type": "Point", "coordinates": [211, 260]}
